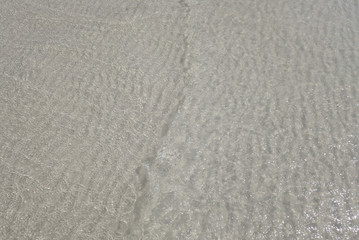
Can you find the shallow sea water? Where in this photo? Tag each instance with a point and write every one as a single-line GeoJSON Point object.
{"type": "Point", "coordinates": [179, 120]}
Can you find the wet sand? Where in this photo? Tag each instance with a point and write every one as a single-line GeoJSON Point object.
{"type": "Point", "coordinates": [179, 120]}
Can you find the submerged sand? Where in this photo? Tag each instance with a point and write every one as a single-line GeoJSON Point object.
{"type": "Point", "coordinates": [179, 120]}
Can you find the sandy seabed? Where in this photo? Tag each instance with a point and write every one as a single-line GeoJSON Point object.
{"type": "Point", "coordinates": [179, 120]}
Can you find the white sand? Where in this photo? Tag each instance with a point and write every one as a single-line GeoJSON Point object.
{"type": "Point", "coordinates": [179, 120]}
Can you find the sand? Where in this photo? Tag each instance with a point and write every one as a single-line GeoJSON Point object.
{"type": "Point", "coordinates": [179, 120]}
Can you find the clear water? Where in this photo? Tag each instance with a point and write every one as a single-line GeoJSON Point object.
{"type": "Point", "coordinates": [179, 120]}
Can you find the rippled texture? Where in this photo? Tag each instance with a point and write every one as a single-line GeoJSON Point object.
{"type": "Point", "coordinates": [179, 120]}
